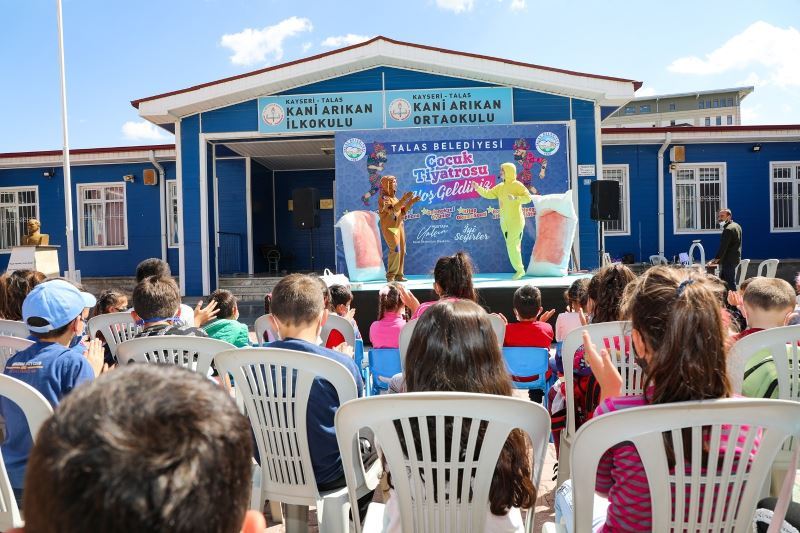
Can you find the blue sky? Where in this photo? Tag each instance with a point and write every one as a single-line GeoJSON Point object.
{"type": "Point", "coordinates": [120, 51]}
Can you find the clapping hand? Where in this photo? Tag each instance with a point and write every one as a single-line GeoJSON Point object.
{"type": "Point", "coordinates": [605, 372]}
{"type": "Point", "coordinates": [544, 316]}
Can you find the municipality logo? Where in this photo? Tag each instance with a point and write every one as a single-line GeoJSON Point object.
{"type": "Point", "coordinates": [354, 149]}
{"type": "Point", "coordinates": [547, 143]}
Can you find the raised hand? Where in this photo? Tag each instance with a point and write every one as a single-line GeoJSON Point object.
{"type": "Point", "coordinates": [545, 316]}
{"type": "Point", "coordinates": [605, 372]}
{"type": "Point", "coordinates": [205, 314]}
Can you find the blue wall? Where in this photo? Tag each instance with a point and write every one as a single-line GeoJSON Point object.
{"type": "Point", "coordinates": [263, 227]}
{"type": "Point", "coordinates": [232, 195]}
{"type": "Point", "coordinates": [748, 194]}
{"type": "Point", "coordinates": [143, 222]}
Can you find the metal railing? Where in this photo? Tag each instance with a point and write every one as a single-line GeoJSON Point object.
{"type": "Point", "coordinates": [229, 256]}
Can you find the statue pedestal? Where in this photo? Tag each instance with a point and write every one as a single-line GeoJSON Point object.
{"type": "Point", "coordinates": [41, 258]}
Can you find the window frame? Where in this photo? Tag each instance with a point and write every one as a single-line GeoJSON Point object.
{"type": "Point", "coordinates": [645, 108]}
{"type": "Point", "coordinates": [629, 110]}
{"type": "Point", "coordinates": [793, 168]}
{"type": "Point", "coordinates": [172, 198]}
{"type": "Point", "coordinates": [625, 198]}
{"type": "Point", "coordinates": [723, 195]}
{"type": "Point", "coordinates": [80, 207]}
{"type": "Point", "coordinates": [673, 106]}
{"type": "Point", "coordinates": [16, 191]}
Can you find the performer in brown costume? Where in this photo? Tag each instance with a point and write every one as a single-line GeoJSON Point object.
{"type": "Point", "coordinates": [391, 212]}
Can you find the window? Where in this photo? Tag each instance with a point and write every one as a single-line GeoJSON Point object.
{"type": "Point", "coordinates": [715, 103]}
{"type": "Point", "coordinates": [730, 120]}
{"type": "Point", "coordinates": [708, 121]}
{"type": "Point", "coordinates": [671, 122]}
{"type": "Point", "coordinates": [785, 196]}
{"type": "Point", "coordinates": [672, 107]}
{"type": "Point", "coordinates": [708, 104]}
{"type": "Point", "coordinates": [719, 121]}
{"type": "Point", "coordinates": [618, 173]}
{"type": "Point", "coordinates": [645, 108]}
{"type": "Point", "coordinates": [17, 205]}
{"type": "Point", "coordinates": [172, 214]}
{"type": "Point", "coordinates": [102, 216]}
{"type": "Point", "coordinates": [698, 195]}
{"type": "Point", "coordinates": [629, 110]}
{"type": "Point", "coordinates": [701, 104]}
{"type": "Point", "coordinates": [730, 102]}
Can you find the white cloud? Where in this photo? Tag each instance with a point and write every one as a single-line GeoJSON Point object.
{"type": "Point", "coordinates": [751, 114]}
{"type": "Point", "coordinates": [517, 5]}
{"type": "Point", "coordinates": [754, 80]}
{"type": "Point", "coordinates": [761, 44]}
{"type": "Point", "coordinates": [143, 131]}
{"type": "Point", "coordinates": [344, 40]}
{"type": "Point", "coordinates": [307, 47]}
{"type": "Point", "coordinates": [646, 91]}
{"type": "Point", "coordinates": [456, 6]}
{"type": "Point", "coordinates": [253, 46]}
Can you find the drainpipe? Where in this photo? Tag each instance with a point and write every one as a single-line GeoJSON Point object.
{"type": "Point", "coordinates": [667, 140]}
{"type": "Point", "coordinates": [162, 193]}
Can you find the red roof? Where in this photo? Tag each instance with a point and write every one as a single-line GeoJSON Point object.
{"type": "Point", "coordinates": [135, 103]}
{"type": "Point", "coordinates": [78, 151]}
{"type": "Point", "coordinates": [681, 129]}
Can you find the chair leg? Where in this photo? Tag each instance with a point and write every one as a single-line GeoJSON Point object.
{"type": "Point", "coordinates": [563, 460]}
{"type": "Point", "coordinates": [295, 519]}
{"type": "Point", "coordinates": [277, 513]}
{"type": "Point", "coordinates": [333, 514]}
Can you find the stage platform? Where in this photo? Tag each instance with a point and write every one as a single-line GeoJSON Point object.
{"type": "Point", "coordinates": [495, 294]}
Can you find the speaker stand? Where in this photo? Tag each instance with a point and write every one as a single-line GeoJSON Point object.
{"type": "Point", "coordinates": [311, 246]}
{"type": "Point", "coordinates": [601, 243]}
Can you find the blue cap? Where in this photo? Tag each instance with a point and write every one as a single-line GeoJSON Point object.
{"type": "Point", "coordinates": [58, 302]}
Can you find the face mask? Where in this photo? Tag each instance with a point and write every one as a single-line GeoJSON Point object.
{"type": "Point", "coordinates": [722, 223]}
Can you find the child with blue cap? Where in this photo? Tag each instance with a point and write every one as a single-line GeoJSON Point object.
{"type": "Point", "coordinates": [55, 313]}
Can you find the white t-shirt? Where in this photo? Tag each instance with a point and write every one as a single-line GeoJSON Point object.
{"type": "Point", "coordinates": [508, 523]}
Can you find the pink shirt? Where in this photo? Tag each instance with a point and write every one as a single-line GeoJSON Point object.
{"type": "Point", "coordinates": [621, 475]}
{"type": "Point", "coordinates": [425, 305]}
{"type": "Point", "coordinates": [385, 333]}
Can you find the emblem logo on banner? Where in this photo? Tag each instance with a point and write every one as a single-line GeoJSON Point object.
{"type": "Point", "coordinates": [547, 143]}
{"type": "Point", "coordinates": [400, 109]}
{"type": "Point", "coordinates": [273, 114]}
{"type": "Point", "coordinates": [354, 149]}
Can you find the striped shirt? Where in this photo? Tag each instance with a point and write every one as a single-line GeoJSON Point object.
{"type": "Point", "coordinates": [621, 476]}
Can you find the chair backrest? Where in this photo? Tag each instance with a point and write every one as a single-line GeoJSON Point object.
{"type": "Point", "coordinates": [262, 325]}
{"type": "Point", "coordinates": [14, 328]}
{"type": "Point", "coordinates": [115, 327]}
{"type": "Point", "coordinates": [405, 338]}
{"type": "Point", "coordinates": [441, 504]}
{"type": "Point", "coordinates": [36, 410]}
{"type": "Point", "coordinates": [9, 346]}
{"type": "Point", "coordinates": [741, 271]}
{"type": "Point", "coordinates": [733, 491]}
{"type": "Point", "coordinates": [782, 345]}
{"type": "Point", "coordinates": [526, 362]}
{"type": "Point", "coordinates": [194, 353]}
{"type": "Point", "coordinates": [340, 324]}
{"type": "Point", "coordinates": [614, 337]}
{"type": "Point", "coordinates": [768, 268]}
{"type": "Point", "coordinates": [499, 327]}
{"type": "Point", "coordinates": [658, 260]}
{"type": "Point", "coordinates": [277, 410]}
{"type": "Point", "coordinates": [384, 363]}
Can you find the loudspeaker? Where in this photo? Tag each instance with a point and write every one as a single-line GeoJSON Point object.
{"type": "Point", "coordinates": [605, 200]}
{"type": "Point", "coordinates": [305, 208]}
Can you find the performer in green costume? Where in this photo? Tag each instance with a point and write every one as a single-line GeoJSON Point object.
{"type": "Point", "coordinates": [512, 195]}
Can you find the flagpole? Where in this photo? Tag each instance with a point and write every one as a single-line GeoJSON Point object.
{"type": "Point", "coordinates": [67, 176]}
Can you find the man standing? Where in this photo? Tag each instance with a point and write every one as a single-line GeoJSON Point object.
{"type": "Point", "coordinates": [730, 248]}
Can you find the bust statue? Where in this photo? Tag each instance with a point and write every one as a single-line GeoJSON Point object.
{"type": "Point", "coordinates": [34, 237]}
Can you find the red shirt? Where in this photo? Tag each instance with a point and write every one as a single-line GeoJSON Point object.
{"type": "Point", "coordinates": [334, 339]}
{"type": "Point", "coordinates": [536, 334]}
{"type": "Point", "coordinates": [745, 332]}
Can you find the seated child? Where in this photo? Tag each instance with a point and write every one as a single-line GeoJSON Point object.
{"type": "Point", "coordinates": [340, 301]}
{"type": "Point", "coordinates": [158, 267]}
{"type": "Point", "coordinates": [109, 301]}
{"type": "Point", "coordinates": [767, 304]}
{"type": "Point", "coordinates": [576, 298]}
{"type": "Point", "coordinates": [385, 332]}
{"type": "Point", "coordinates": [156, 307]}
{"type": "Point", "coordinates": [226, 326]}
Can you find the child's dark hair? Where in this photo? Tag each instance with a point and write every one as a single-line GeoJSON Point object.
{"type": "Point", "coordinates": [267, 303]}
{"type": "Point", "coordinates": [18, 285]}
{"type": "Point", "coordinates": [453, 274]}
{"type": "Point", "coordinates": [770, 294]}
{"type": "Point", "coordinates": [388, 299]}
{"type": "Point", "coordinates": [226, 302]}
{"type": "Point", "coordinates": [577, 293]}
{"type": "Point", "coordinates": [152, 267]}
{"type": "Point", "coordinates": [606, 289]}
{"type": "Point", "coordinates": [109, 298]}
{"type": "Point", "coordinates": [297, 299]}
{"type": "Point", "coordinates": [679, 317]}
{"type": "Point", "coordinates": [340, 295]}
{"type": "Point", "coordinates": [527, 301]}
{"type": "Point", "coordinates": [156, 297]}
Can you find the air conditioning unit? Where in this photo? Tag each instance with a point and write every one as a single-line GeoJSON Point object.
{"type": "Point", "coordinates": [677, 154]}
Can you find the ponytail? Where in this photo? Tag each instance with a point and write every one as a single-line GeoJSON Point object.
{"type": "Point", "coordinates": [388, 299]}
{"type": "Point", "coordinates": [453, 274]}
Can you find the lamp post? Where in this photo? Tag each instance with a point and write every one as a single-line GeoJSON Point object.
{"type": "Point", "coordinates": [67, 177]}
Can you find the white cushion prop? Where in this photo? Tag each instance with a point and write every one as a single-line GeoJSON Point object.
{"type": "Point", "coordinates": [362, 246]}
{"type": "Point", "coordinates": [556, 222]}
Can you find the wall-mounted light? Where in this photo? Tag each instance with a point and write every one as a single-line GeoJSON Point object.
{"type": "Point", "coordinates": [129, 177]}
{"type": "Point", "coordinates": [49, 173]}
{"type": "Point", "coordinates": [756, 148]}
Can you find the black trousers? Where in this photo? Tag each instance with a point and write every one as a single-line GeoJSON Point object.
{"type": "Point", "coordinates": [727, 271]}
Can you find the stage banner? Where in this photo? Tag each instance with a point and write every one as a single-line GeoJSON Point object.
{"type": "Point", "coordinates": [449, 107]}
{"type": "Point", "coordinates": [441, 165]}
{"type": "Point", "coordinates": [320, 112]}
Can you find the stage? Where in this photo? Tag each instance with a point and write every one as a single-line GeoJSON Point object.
{"type": "Point", "coordinates": [495, 294]}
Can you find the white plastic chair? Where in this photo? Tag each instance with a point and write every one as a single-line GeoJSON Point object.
{"type": "Point", "coordinates": [613, 336]}
{"type": "Point", "coordinates": [768, 268]}
{"type": "Point", "coordinates": [9, 346]}
{"type": "Point", "coordinates": [499, 327]}
{"type": "Point", "coordinates": [262, 325]}
{"type": "Point", "coordinates": [340, 324]}
{"type": "Point", "coordinates": [741, 271]}
{"type": "Point", "coordinates": [14, 328]}
{"type": "Point", "coordinates": [36, 410]}
{"type": "Point", "coordinates": [656, 260]}
{"type": "Point", "coordinates": [115, 327]}
{"type": "Point", "coordinates": [439, 506]}
{"type": "Point", "coordinates": [194, 353]}
{"type": "Point", "coordinates": [782, 346]}
{"type": "Point", "coordinates": [405, 339]}
{"type": "Point", "coordinates": [277, 411]}
{"type": "Point", "coordinates": [736, 490]}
